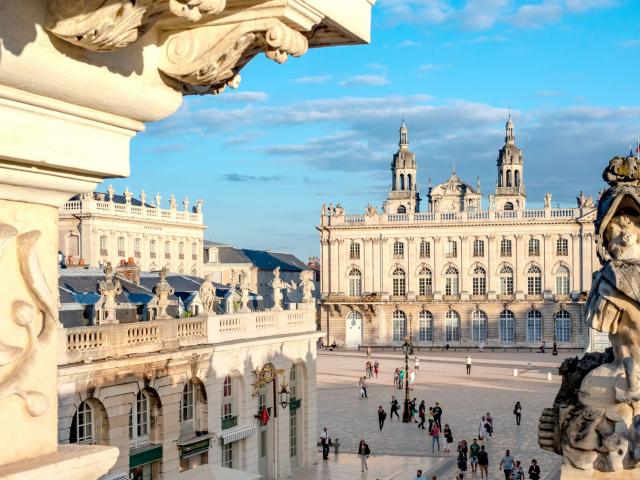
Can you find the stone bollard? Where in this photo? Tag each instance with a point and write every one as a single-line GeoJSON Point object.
{"type": "Point", "coordinates": [549, 376]}
{"type": "Point", "coordinates": [336, 446]}
{"type": "Point", "coordinates": [515, 372]}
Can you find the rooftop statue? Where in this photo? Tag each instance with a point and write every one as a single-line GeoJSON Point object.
{"type": "Point", "coordinates": [595, 420]}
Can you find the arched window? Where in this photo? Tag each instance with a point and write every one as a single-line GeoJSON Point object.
{"type": "Point", "coordinates": [398, 249]}
{"type": "Point", "coordinates": [452, 326]}
{"type": "Point", "coordinates": [509, 182]}
{"type": "Point", "coordinates": [478, 248]}
{"type": "Point", "coordinates": [401, 181]}
{"type": "Point", "coordinates": [506, 280]}
{"type": "Point", "coordinates": [399, 326]}
{"type": "Point", "coordinates": [137, 244]}
{"type": "Point", "coordinates": [534, 326]}
{"type": "Point", "coordinates": [508, 206]}
{"type": "Point", "coordinates": [167, 249]}
{"type": "Point", "coordinates": [534, 247]}
{"type": "Point", "coordinates": [187, 402]}
{"type": "Point", "coordinates": [355, 283]}
{"type": "Point", "coordinates": [121, 250]}
{"type": "Point", "coordinates": [84, 424]}
{"type": "Point", "coordinates": [293, 382]}
{"type": "Point", "coordinates": [425, 281]}
{"type": "Point", "coordinates": [227, 398]}
{"type": "Point", "coordinates": [409, 182]}
{"type": "Point", "coordinates": [479, 281]}
{"type": "Point", "coordinates": [103, 245]}
{"type": "Point", "coordinates": [139, 420]}
{"type": "Point", "coordinates": [402, 209]}
{"type": "Point", "coordinates": [517, 178]}
{"type": "Point", "coordinates": [507, 326]}
{"type": "Point", "coordinates": [425, 249]}
{"type": "Point", "coordinates": [562, 247]}
{"type": "Point", "coordinates": [354, 251]}
{"type": "Point", "coordinates": [563, 326]}
{"type": "Point", "coordinates": [399, 282]}
{"type": "Point", "coordinates": [451, 281]}
{"type": "Point", "coordinates": [479, 323]}
{"type": "Point", "coordinates": [500, 180]}
{"type": "Point", "coordinates": [562, 280]}
{"type": "Point", "coordinates": [505, 248]}
{"type": "Point", "coordinates": [425, 329]}
{"type": "Point", "coordinates": [534, 280]}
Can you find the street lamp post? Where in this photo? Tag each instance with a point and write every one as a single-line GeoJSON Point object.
{"type": "Point", "coordinates": [407, 347]}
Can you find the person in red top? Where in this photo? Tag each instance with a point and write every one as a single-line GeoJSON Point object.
{"type": "Point", "coordinates": [435, 437]}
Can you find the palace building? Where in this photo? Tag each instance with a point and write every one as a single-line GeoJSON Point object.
{"type": "Point", "coordinates": [457, 273]}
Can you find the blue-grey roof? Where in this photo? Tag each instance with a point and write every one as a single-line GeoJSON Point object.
{"type": "Point", "coordinates": [265, 260]}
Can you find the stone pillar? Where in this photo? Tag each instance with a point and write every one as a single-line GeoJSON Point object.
{"type": "Point", "coordinates": [333, 261]}
{"type": "Point", "coordinates": [341, 254]}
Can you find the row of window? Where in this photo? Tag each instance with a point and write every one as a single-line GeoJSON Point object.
{"type": "Point", "coordinates": [451, 248]}
{"type": "Point", "coordinates": [479, 326]}
{"type": "Point", "coordinates": [478, 281]}
{"type": "Point", "coordinates": [137, 247]}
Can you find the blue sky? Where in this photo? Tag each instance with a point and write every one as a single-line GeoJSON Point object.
{"type": "Point", "coordinates": [323, 127]}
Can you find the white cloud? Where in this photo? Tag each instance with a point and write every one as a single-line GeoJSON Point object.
{"type": "Point", "coordinates": [365, 79]}
{"type": "Point", "coordinates": [482, 14]}
{"type": "Point", "coordinates": [536, 16]}
{"type": "Point", "coordinates": [416, 11]}
{"type": "Point", "coordinates": [432, 67]}
{"type": "Point", "coordinates": [239, 97]}
{"type": "Point", "coordinates": [409, 43]}
{"type": "Point", "coordinates": [314, 79]}
{"type": "Point", "coordinates": [585, 5]}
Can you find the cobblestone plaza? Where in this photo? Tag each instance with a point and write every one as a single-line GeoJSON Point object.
{"type": "Point", "coordinates": [401, 448]}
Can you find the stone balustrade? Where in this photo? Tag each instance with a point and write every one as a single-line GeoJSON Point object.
{"type": "Point", "coordinates": [127, 209]}
{"type": "Point", "coordinates": [85, 344]}
{"type": "Point", "coordinates": [530, 215]}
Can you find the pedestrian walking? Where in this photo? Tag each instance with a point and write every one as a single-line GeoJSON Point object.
{"type": "Point", "coordinates": [394, 407]}
{"type": "Point", "coordinates": [376, 367]}
{"type": "Point", "coordinates": [413, 409]}
{"type": "Point", "coordinates": [518, 472]}
{"type": "Point", "coordinates": [435, 438]}
{"type": "Point", "coordinates": [506, 465]}
{"type": "Point", "coordinates": [396, 377]}
{"type": "Point", "coordinates": [468, 362]}
{"type": "Point", "coordinates": [363, 453]}
{"type": "Point", "coordinates": [517, 411]}
{"type": "Point", "coordinates": [412, 379]}
{"type": "Point", "coordinates": [483, 462]}
{"type": "Point", "coordinates": [416, 363]}
{"type": "Point", "coordinates": [369, 351]}
{"type": "Point", "coordinates": [462, 457]}
{"type": "Point", "coordinates": [419, 475]}
{"type": "Point", "coordinates": [448, 438]}
{"type": "Point", "coordinates": [325, 440]}
{"type": "Point", "coordinates": [482, 429]}
{"type": "Point", "coordinates": [364, 389]}
{"type": "Point", "coordinates": [422, 414]}
{"type": "Point", "coordinates": [382, 416]}
{"type": "Point", "coordinates": [534, 470]}
{"type": "Point", "coordinates": [437, 415]}
{"type": "Point", "coordinates": [490, 422]}
{"type": "Point", "coordinates": [430, 418]}
{"type": "Point", "coordinates": [401, 377]}
{"type": "Point", "coordinates": [474, 449]}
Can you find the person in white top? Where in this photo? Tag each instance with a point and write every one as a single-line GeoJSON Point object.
{"type": "Point", "coordinates": [416, 364]}
{"type": "Point", "coordinates": [325, 440]}
{"type": "Point", "coordinates": [468, 362]}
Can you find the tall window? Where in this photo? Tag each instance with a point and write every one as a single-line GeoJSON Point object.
{"type": "Point", "coordinates": [293, 382]}
{"type": "Point", "coordinates": [506, 280]}
{"type": "Point", "coordinates": [399, 326]}
{"type": "Point", "coordinates": [354, 251]}
{"type": "Point", "coordinates": [84, 423]}
{"type": "Point", "coordinates": [451, 281]}
{"type": "Point", "coordinates": [425, 330]}
{"type": "Point", "coordinates": [227, 455]}
{"type": "Point", "coordinates": [181, 250]}
{"type": "Point", "coordinates": [479, 281]}
{"type": "Point", "coordinates": [103, 245]}
{"type": "Point", "coordinates": [479, 326]}
{"type": "Point", "coordinates": [562, 247]}
{"type": "Point", "coordinates": [534, 326]}
{"type": "Point", "coordinates": [425, 281]}
{"type": "Point", "coordinates": [194, 251]}
{"type": "Point", "coordinates": [534, 280]}
{"type": "Point", "coordinates": [505, 248]}
{"type": "Point", "coordinates": [478, 248]}
{"type": "Point", "coordinates": [355, 283]}
{"type": "Point", "coordinates": [399, 282]}
{"type": "Point", "coordinates": [121, 247]}
{"type": "Point", "coordinates": [227, 398]}
{"type": "Point", "coordinates": [451, 249]}
{"type": "Point", "coordinates": [452, 326]}
{"type": "Point", "coordinates": [425, 249]}
{"type": "Point", "coordinates": [152, 248]}
{"type": "Point", "coordinates": [562, 280]}
{"type": "Point", "coordinates": [534, 247]}
{"type": "Point", "coordinates": [293, 414]}
{"type": "Point", "coordinates": [167, 249]}
{"type": "Point", "coordinates": [563, 326]}
{"type": "Point", "coordinates": [398, 249]}
{"type": "Point", "coordinates": [507, 326]}
{"type": "Point", "coordinates": [187, 402]}
{"type": "Point", "coordinates": [137, 244]}
{"type": "Point", "coordinates": [139, 420]}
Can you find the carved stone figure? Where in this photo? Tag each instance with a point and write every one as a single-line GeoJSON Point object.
{"type": "Point", "coordinates": [109, 289]}
{"type": "Point", "coordinates": [243, 288]}
{"type": "Point", "coordinates": [277, 284]}
{"type": "Point", "coordinates": [199, 204]}
{"type": "Point", "coordinates": [158, 198]}
{"type": "Point", "coordinates": [547, 200]}
{"type": "Point", "coordinates": [307, 286]}
{"type": "Point", "coordinates": [492, 202]}
{"type": "Point", "coordinates": [339, 211]}
{"type": "Point", "coordinates": [111, 191]}
{"type": "Point", "coordinates": [172, 202]}
{"type": "Point", "coordinates": [127, 195]}
{"type": "Point", "coordinates": [143, 197]}
{"type": "Point", "coordinates": [371, 210]}
{"type": "Point", "coordinates": [595, 420]}
{"type": "Point", "coordinates": [185, 203]}
{"type": "Point", "coordinates": [163, 290]}
{"type": "Point", "coordinates": [207, 294]}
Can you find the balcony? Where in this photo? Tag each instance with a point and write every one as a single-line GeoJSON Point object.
{"type": "Point", "coordinates": [533, 297]}
{"type": "Point", "coordinates": [478, 298]}
{"type": "Point", "coordinates": [450, 298]}
{"type": "Point", "coordinates": [167, 256]}
{"type": "Point", "coordinates": [229, 422]}
{"type": "Point", "coordinates": [104, 253]}
{"type": "Point", "coordinates": [181, 256]}
{"type": "Point", "coordinates": [194, 257]}
{"type": "Point", "coordinates": [506, 253]}
{"type": "Point", "coordinates": [505, 298]}
{"type": "Point", "coordinates": [137, 254]}
{"type": "Point", "coordinates": [152, 255]}
{"type": "Point", "coordinates": [121, 253]}
{"type": "Point", "coordinates": [534, 253]}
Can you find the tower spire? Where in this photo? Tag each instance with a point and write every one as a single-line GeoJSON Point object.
{"type": "Point", "coordinates": [404, 134]}
{"type": "Point", "coordinates": [510, 135]}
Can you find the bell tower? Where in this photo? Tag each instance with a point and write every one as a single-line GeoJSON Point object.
{"type": "Point", "coordinates": [510, 188]}
{"type": "Point", "coordinates": [403, 194]}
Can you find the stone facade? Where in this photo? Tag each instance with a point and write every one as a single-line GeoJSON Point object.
{"type": "Point", "coordinates": [173, 394]}
{"type": "Point", "coordinates": [97, 228]}
{"type": "Point", "coordinates": [458, 274]}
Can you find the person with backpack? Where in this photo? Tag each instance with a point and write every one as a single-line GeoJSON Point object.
{"type": "Point", "coordinates": [534, 470]}
{"type": "Point", "coordinates": [435, 437]}
{"type": "Point", "coordinates": [517, 411]}
{"type": "Point", "coordinates": [363, 453]}
{"type": "Point", "coordinates": [382, 416]}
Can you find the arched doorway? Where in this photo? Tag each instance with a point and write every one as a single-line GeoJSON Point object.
{"type": "Point", "coordinates": [353, 337]}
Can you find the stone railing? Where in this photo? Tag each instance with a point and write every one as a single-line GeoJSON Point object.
{"type": "Point", "coordinates": [533, 215]}
{"type": "Point", "coordinates": [83, 344]}
{"type": "Point", "coordinates": [129, 210]}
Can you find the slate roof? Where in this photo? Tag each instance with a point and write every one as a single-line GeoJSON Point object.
{"type": "Point", "coordinates": [265, 260]}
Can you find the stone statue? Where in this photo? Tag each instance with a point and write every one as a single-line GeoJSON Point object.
{"type": "Point", "coordinates": [492, 202]}
{"type": "Point", "coordinates": [371, 210]}
{"type": "Point", "coordinates": [581, 199]}
{"type": "Point", "coordinates": [163, 290]}
{"type": "Point", "coordinates": [595, 420]}
{"type": "Point", "coordinates": [199, 204]}
{"type": "Point", "coordinates": [307, 286]}
{"type": "Point", "coordinates": [143, 197]}
{"type": "Point", "coordinates": [339, 210]}
{"type": "Point", "coordinates": [111, 191]}
{"type": "Point", "coordinates": [127, 195]}
{"type": "Point", "coordinates": [277, 284]}
{"type": "Point", "coordinates": [243, 288]}
{"type": "Point", "coordinates": [172, 202]}
{"type": "Point", "coordinates": [109, 289]}
{"type": "Point", "coordinates": [547, 200]}
{"type": "Point", "coordinates": [207, 295]}
{"type": "Point", "coordinates": [158, 198]}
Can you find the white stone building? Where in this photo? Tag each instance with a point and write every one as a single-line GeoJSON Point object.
{"type": "Point", "coordinates": [96, 228]}
{"type": "Point", "coordinates": [457, 274]}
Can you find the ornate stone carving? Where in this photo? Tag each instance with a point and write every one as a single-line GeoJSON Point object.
{"type": "Point", "coordinates": [163, 290]}
{"type": "Point", "coordinates": [109, 289]}
{"type": "Point", "coordinates": [207, 295]}
{"type": "Point", "coordinates": [597, 412]}
{"type": "Point", "coordinates": [307, 286]}
{"type": "Point", "coordinates": [277, 284]}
